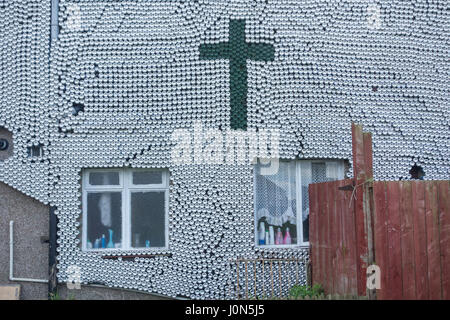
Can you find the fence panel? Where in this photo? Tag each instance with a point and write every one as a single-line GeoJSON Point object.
{"type": "Point", "coordinates": [433, 246]}
{"type": "Point", "coordinates": [444, 233]}
{"type": "Point", "coordinates": [412, 235]}
{"type": "Point", "coordinates": [333, 237]}
{"type": "Point", "coordinates": [411, 238]}
{"type": "Point", "coordinates": [402, 226]}
{"type": "Point", "coordinates": [420, 239]}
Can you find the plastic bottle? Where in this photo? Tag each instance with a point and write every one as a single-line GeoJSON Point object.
{"type": "Point", "coordinates": [103, 241]}
{"type": "Point", "coordinates": [287, 237]}
{"type": "Point", "coordinates": [262, 234]}
{"type": "Point", "coordinates": [110, 242]}
{"type": "Point", "coordinates": [271, 236]}
{"type": "Point", "coordinates": [279, 237]}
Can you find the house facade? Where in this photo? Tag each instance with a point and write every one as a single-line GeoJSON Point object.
{"type": "Point", "coordinates": [140, 122]}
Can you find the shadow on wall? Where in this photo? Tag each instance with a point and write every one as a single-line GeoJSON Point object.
{"type": "Point", "coordinates": [30, 230]}
{"type": "Point", "coordinates": [103, 293]}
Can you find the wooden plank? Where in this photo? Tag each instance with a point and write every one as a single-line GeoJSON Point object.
{"type": "Point", "coordinates": [361, 238]}
{"type": "Point", "coordinates": [420, 239]}
{"type": "Point", "coordinates": [332, 234]}
{"type": "Point", "coordinates": [444, 235]}
{"type": "Point", "coordinates": [359, 175]}
{"type": "Point", "coordinates": [368, 208]}
{"type": "Point", "coordinates": [381, 241]}
{"type": "Point", "coordinates": [368, 154]}
{"type": "Point", "coordinates": [319, 238]}
{"type": "Point", "coordinates": [10, 292]}
{"type": "Point", "coordinates": [350, 249]}
{"type": "Point", "coordinates": [353, 248]}
{"type": "Point", "coordinates": [433, 243]}
{"type": "Point", "coordinates": [368, 198]}
{"type": "Point", "coordinates": [358, 152]}
{"type": "Point", "coordinates": [314, 232]}
{"type": "Point", "coordinates": [407, 241]}
{"type": "Point", "coordinates": [340, 285]}
{"type": "Point", "coordinates": [324, 227]}
{"type": "Point", "coordinates": [344, 278]}
{"type": "Point", "coordinates": [394, 268]}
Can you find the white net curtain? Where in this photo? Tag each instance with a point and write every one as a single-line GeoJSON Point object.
{"type": "Point", "coordinates": [276, 195]}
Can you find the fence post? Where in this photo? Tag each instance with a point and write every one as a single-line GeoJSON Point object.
{"type": "Point", "coordinates": [369, 205]}
{"type": "Point", "coordinates": [363, 203]}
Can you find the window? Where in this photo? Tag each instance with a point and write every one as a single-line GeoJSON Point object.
{"type": "Point", "coordinates": [35, 151]}
{"type": "Point", "coordinates": [125, 209]}
{"type": "Point", "coordinates": [279, 198]}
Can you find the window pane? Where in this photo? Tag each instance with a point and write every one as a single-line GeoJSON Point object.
{"type": "Point", "coordinates": [306, 174]}
{"type": "Point", "coordinates": [148, 225]}
{"type": "Point", "coordinates": [147, 177]}
{"type": "Point", "coordinates": [314, 172]}
{"type": "Point", "coordinates": [103, 178]}
{"type": "Point", "coordinates": [275, 203]}
{"type": "Point", "coordinates": [104, 220]}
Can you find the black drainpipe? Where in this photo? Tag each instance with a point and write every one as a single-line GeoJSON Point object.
{"type": "Point", "coordinates": [53, 219]}
{"type": "Point", "coordinates": [52, 280]}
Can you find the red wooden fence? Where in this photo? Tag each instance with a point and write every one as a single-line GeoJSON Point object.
{"type": "Point", "coordinates": [333, 237]}
{"type": "Point", "coordinates": [412, 239]}
{"type": "Point", "coordinates": [401, 226]}
{"type": "Point", "coordinates": [341, 230]}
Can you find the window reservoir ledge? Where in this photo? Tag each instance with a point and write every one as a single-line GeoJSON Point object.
{"type": "Point", "coordinates": [133, 256]}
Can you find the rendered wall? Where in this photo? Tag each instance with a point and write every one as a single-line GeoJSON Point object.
{"type": "Point", "coordinates": [30, 255]}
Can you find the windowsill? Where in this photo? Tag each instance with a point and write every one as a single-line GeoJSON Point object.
{"type": "Point", "coordinates": [130, 254]}
{"type": "Point", "coordinates": [283, 246]}
{"type": "Point", "coordinates": [122, 251]}
{"type": "Point", "coordinates": [133, 256]}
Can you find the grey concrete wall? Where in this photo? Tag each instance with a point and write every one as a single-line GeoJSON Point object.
{"type": "Point", "coordinates": [99, 293]}
{"type": "Point", "coordinates": [30, 255]}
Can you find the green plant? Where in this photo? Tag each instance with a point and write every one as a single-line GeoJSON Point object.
{"type": "Point", "coordinates": [298, 291]}
{"type": "Point", "coordinates": [55, 296]}
{"type": "Point", "coordinates": [71, 297]}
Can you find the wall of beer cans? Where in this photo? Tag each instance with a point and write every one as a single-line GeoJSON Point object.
{"type": "Point", "coordinates": [124, 74]}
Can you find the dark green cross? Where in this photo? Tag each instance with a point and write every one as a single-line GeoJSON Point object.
{"type": "Point", "coordinates": [238, 51]}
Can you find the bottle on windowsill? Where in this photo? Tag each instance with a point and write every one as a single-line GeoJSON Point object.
{"type": "Point", "coordinates": [287, 237]}
{"type": "Point", "coordinates": [103, 241]}
{"type": "Point", "coordinates": [271, 235]}
{"type": "Point", "coordinates": [279, 237]}
{"type": "Point", "coordinates": [262, 234]}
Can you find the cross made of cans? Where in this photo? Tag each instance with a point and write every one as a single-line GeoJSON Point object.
{"type": "Point", "coordinates": [237, 51]}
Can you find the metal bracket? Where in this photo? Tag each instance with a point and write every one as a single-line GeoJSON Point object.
{"type": "Point", "coordinates": [348, 187]}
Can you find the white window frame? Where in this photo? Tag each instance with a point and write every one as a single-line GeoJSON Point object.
{"type": "Point", "coordinates": [125, 187]}
{"type": "Point", "coordinates": [298, 200]}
